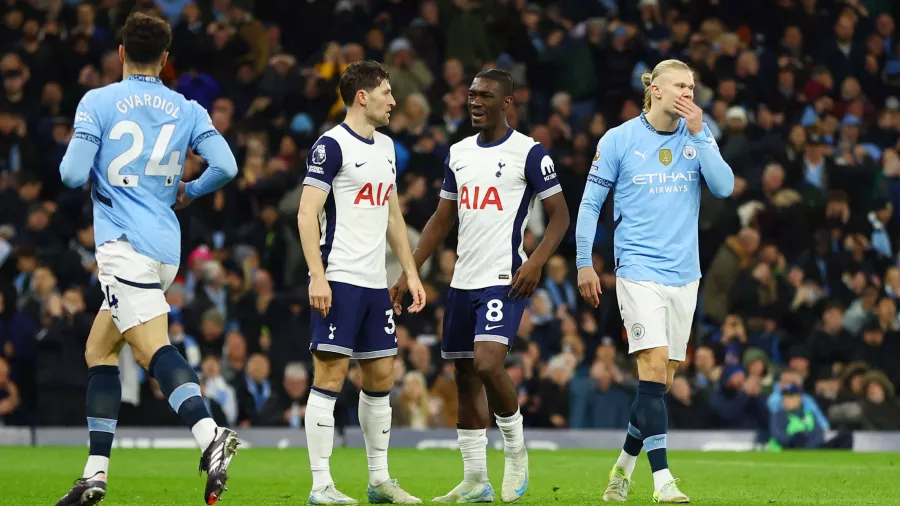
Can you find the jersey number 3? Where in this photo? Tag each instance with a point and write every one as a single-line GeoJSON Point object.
{"type": "Point", "coordinates": [169, 170]}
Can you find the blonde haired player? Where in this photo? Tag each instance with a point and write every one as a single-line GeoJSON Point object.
{"type": "Point", "coordinates": [655, 163]}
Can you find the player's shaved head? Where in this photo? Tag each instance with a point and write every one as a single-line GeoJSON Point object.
{"type": "Point", "coordinates": [502, 77]}
{"type": "Point", "coordinates": [145, 38]}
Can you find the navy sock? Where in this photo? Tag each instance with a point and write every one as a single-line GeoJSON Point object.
{"type": "Point", "coordinates": [179, 383]}
{"type": "Point", "coordinates": [653, 421]}
{"type": "Point", "coordinates": [634, 441]}
{"type": "Point", "coordinates": [104, 395]}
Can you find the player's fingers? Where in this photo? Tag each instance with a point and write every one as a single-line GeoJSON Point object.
{"type": "Point", "coordinates": [418, 301]}
{"type": "Point", "coordinates": [514, 284]}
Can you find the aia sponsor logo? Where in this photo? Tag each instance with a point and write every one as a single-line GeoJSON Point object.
{"type": "Point", "coordinates": [477, 197]}
{"type": "Point", "coordinates": [374, 196]}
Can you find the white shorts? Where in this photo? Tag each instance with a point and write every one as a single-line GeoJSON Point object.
{"type": "Point", "coordinates": [657, 315]}
{"type": "Point", "coordinates": [133, 284]}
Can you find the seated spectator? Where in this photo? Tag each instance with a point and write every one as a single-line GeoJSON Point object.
{"type": "Point", "coordinates": [560, 290]}
{"type": "Point", "coordinates": [598, 401]}
{"type": "Point", "coordinates": [736, 402]}
{"type": "Point", "coordinates": [551, 403]}
{"type": "Point", "coordinates": [706, 372]}
{"type": "Point", "coordinates": [253, 389]}
{"type": "Point", "coordinates": [444, 391]}
{"type": "Point", "coordinates": [414, 408]}
{"type": "Point", "coordinates": [792, 377]}
{"type": "Point", "coordinates": [880, 410]}
{"type": "Point", "coordinates": [218, 389]}
{"type": "Point", "coordinates": [687, 409]}
{"type": "Point", "coordinates": [758, 365]}
{"type": "Point", "coordinates": [287, 406]}
{"type": "Point", "coordinates": [793, 427]}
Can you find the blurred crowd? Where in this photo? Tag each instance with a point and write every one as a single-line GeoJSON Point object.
{"type": "Point", "coordinates": [797, 330]}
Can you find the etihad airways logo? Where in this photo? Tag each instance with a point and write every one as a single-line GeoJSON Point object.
{"type": "Point", "coordinates": [667, 182]}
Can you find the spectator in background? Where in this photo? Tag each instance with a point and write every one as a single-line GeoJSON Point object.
{"type": "Point", "coordinates": [733, 256]}
{"type": "Point", "coordinates": [706, 371]}
{"type": "Point", "coordinates": [253, 389]}
{"type": "Point", "coordinates": [792, 377]}
{"type": "Point", "coordinates": [9, 394]}
{"type": "Point", "coordinates": [736, 402]}
{"type": "Point", "coordinates": [443, 391]}
{"type": "Point", "coordinates": [793, 427]}
{"type": "Point", "coordinates": [687, 409]}
{"type": "Point", "coordinates": [287, 406]}
{"type": "Point", "coordinates": [552, 397]}
{"type": "Point", "coordinates": [218, 389]}
{"type": "Point", "coordinates": [598, 401]}
{"type": "Point", "coordinates": [560, 290]}
{"type": "Point", "coordinates": [414, 408]}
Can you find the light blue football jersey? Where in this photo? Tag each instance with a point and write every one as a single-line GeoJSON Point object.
{"type": "Point", "coordinates": [656, 177]}
{"type": "Point", "coordinates": [143, 130]}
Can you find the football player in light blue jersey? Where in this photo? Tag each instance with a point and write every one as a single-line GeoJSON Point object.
{"type": "Point", "coordinates": [655, 164]}
{"type": "Point", "coordinates": [130, 141]}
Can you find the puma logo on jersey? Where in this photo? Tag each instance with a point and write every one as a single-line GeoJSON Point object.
{"type": "Point", "coordinates": [479, 198]}
{"type": "Point", "coordinates": [642, 155]}
{"type": "Point", "coordinates": [374, 196]}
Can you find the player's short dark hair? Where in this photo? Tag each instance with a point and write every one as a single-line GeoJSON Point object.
{"type": "Point", "coordinates": [501, 76]}
{"type": "Point", "coordinates": [145, 38]}
{"type": "Point", "coordinates": [363, 75]}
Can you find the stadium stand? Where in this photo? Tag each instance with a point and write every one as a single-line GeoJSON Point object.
{"type": "Point", "coordinates": [801, 266]}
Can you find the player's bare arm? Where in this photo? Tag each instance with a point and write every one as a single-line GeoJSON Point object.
{"type": "Point", "coordinates": [312, 200]}
{"type": "Point", "coordinates": [399, 240]}
{"type": "Point", "coordinates": [527, 277]}
{"type": "Point", "coordinates": [436, 231]}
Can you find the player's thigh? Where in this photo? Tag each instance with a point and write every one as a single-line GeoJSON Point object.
{"type": "Point", "coordinates": [458, 327]}
{"type": "Point", "coordinates": [643, 309]}
{"type": "Point", "coordinates": [104, 343]}
{"type": "Point", "coordinates": [497, 318]}
{"type": "Point", "coordinates": [147, 338]}
{"type": "Point", "coordinates": [337, 333]}
{"type": "Point", "coordinates": [329, 370]}
{"type": "Point", "coordinates": [681, 305]}
{"type": "Point", "coordinates": [377, 337]}
{"type": "Point", "coordinates": [134, 296]}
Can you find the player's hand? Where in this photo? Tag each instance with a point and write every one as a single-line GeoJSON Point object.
{"type": "Point", "coordinates": [182, 200]}
{"type": "Point", "coordinates": [397, 292]}
{"type": "Point", "coordinates": [418, 294]}
{"type": "Point", "coordinates": [525, 280]}
{"type": "Point", "coordinates": [691, 112]}
{"type": "Point", "coordinates": [320, 295]}
{"type": "Point", "coordinates": [589, 285]}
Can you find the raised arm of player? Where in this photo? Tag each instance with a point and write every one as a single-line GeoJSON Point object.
{"type": "Point", "coordinates": [717, 173]}
{"type": "Point", "coordinates": [322, 165]}
{"type": "Point", "coordinates": [434, 234]}
{"type": "Point", "coordinates": [398, 238]}
{"type": "Point", "coordinates": [541, 176]}
{"type": "Point", "coordinates": [75, 168]}
{"type": "Point", "coordinates": [212, 147]}
{"type": "Point", "coordinates": [602, 177]}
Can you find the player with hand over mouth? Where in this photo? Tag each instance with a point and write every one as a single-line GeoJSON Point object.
{"type": "Point", "coordinates": [490, 183]}
{"type": "Point", "coordinates": [654, 163]}
{"type": "Point", "coordinates": [130, 140]}
{"type": "Point", "coordinates": [347, 208]}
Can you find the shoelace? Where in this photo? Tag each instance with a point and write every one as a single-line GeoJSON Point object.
{"type": "Point", "coordinates": [668, 486]}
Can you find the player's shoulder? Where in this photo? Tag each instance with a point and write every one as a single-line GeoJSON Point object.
{"type": "Point", "coordinates": [383, 141]}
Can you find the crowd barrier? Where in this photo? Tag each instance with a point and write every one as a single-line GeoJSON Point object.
{"type": "Point", "coordinates": [134, 437]}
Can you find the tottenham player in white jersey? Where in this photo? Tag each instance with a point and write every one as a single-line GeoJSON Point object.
{"type": "Point", "coordinates": [130, 141]}
{"type": "Point", "coordinates": [654, 163]}
{"type": "Point", "coordinates": [347, 208]}
{"type": "Point", "coordinates": [491, 180]}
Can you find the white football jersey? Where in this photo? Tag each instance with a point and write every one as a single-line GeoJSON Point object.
{"type": "Point", "coordinates": [494, 186]}
{"type": "Point", "coordinates": [360, 176]}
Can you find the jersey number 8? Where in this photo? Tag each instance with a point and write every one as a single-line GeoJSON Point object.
{"type": "Point", "coordinates": [169, 170]}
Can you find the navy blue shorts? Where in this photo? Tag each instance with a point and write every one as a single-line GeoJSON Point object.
{"type": "Point", "coordinates": [360, 323]}
{"type": "Point", "coordinates": [486, 314]}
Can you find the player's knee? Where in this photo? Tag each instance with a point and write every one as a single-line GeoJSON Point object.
{"type": "Point", "coordinates": [95, 355]}
{"type": "Point", "coordinates": [653, 365]}
{"type": "Point", "coordinates": [486, 365]}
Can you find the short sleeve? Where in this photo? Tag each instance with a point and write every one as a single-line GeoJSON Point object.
{"type": "Point", "coordinates": [605, 167]}
{"type": "Point", "coordinates": [202, 127]}
{"type": "Point", "coordinates": [541, 173]}
{"type": "Point", "coordinates": [323, 163]}
{"type": "Point", "coordinates": [87, 119]}
{"type": "Point", "coordinates": [448, 188]}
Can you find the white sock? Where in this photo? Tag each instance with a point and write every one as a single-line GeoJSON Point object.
{"type": "Point", "coordinates": [375, 420]}
{"type": "Point", "coordinates": [513, 434]}
{"type": "Point", "coordinates": [204, 433]}
{"type": "Point", "coordinates": [626, 462]}
{"type": "Point", "coordinates": [473, 446]}
{"type": "Point", "coordinates": [319, 426]}
{"type": "Point", "coordinates": [96, 464]}
{"type": "Point", "coordinates": [661, 477]}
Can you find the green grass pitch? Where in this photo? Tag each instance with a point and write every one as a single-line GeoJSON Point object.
{"type": "Point", "coordinates": [260, 477]}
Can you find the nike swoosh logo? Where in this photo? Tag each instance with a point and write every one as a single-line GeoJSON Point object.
{"type": "Point", "coordinates": [361, 164]}
{"type": "Point", "coordinates": [320, 425]}
{"type": "Point", "coordinates": [385, 431]}
{"type": "Point", "coordinates": [492, 327]}
{"type": "Point", "coordinates": [461, 168]}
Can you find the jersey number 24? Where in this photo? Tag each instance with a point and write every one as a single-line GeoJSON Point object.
{"type": "Point", "coordinates": [169, 170]}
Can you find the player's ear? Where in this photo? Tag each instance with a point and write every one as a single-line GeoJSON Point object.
{"type": "Point", "coordinates": [507, 101]}
{"type": "Point", "coordinates": [362, 97]}
{"type": "Point", "coordinates": [121, 53]}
